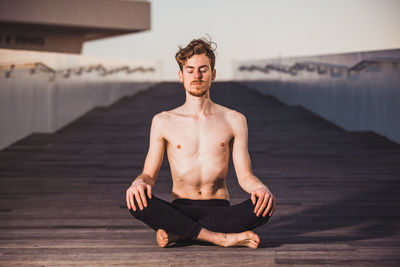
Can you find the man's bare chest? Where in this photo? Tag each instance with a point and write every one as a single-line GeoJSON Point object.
{"type": "Point", "coordinates": [195, 137]}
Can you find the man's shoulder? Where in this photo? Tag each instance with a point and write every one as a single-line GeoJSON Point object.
{"type": "Point", "coordinates": [165, 116]}
{"type": "Point", "coordinates": [162, 116]}
{"type": "Point", "coordinates": [231, 114]}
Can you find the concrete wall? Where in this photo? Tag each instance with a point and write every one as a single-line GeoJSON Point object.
{"type": "Point", "coordinates": [35, 103]}
{"type": "Point", "coordinates": [365, 100]}
{"type": "Point", "coordinates": [63, 25]}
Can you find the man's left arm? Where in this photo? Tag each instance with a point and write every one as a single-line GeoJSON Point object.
{"type": "Point", "coordinates": [261, 197]}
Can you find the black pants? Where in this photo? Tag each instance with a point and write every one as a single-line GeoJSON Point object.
{"type": "Point", "coordinates": [185, 217]}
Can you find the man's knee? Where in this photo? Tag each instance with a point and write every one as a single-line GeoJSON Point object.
{"type": "Point", "coordinates": [259, 220]}
{"type": "Point", "coordinates": [139, 213]}
{"type": "Point", "coordinates": [263, 219]}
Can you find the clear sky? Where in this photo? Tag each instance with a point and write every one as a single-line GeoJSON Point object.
{"type": "Point", "coordinates": [258, 29]}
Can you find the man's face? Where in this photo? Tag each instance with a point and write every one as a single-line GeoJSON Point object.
{"type": "Point", "coordinates": [197, 75]}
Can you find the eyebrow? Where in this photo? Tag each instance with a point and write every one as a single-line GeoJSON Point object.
{"type": "Point", "coordinates": [191, 67]}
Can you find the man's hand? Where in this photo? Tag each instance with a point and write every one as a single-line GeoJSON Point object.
{"type": "Point", "coordinates": [137, 191]}
{"type": "Point", "coordinates": [265, 203]}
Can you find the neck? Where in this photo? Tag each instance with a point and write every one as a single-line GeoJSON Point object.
{"type": "Point", "coordinates": [197, 105]}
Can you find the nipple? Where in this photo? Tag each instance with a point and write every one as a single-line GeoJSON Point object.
{"type": "Point", "coordinates": [222, 144]}
{"type": "Point", "coordinates": [178, 146]}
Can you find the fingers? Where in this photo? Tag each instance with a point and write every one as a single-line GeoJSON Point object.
{"type": "Point", "coordinates": [138, 193]}
{"type": "Point", "coordinates": [263, 205]}
{"type": "Point", "coordinates": [130, 195]}
{"type": "Point", "coordinates": [258, 205]}
{"type": "Point", "coordinates": [253, 198]}
{"type": "Point", "coordinates": [273, 207]}
{"type": "Point", "coordinates": [138, 200]}
{"type": "Point", "coordinates": [142, 196]}
{"type": "Point", "coordinates": [127, 200]}
{"type": "Point", "coordinates": [269, 206]}
{"type": "Point", "coordinates": [149, 191]}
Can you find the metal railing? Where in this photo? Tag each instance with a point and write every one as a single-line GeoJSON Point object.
{"type": "Point", "coordinates": [66, 73]}
{"type": "Point", "coordinates": [320, 67]}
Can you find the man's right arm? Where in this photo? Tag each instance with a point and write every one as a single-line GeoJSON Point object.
{"type": "Point", "coordinates": [144, 182]}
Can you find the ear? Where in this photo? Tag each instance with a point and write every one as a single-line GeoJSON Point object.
{"type": "Point", "coordinates": [214, 74]}
{"type": "Point", "coordinates": [180, 74]}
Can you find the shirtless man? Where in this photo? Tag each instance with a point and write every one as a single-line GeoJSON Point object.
{"type": "Point", "coordinates": [197, 136]}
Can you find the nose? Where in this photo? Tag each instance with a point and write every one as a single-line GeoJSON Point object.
{"type": "Point", "coordinates": [197, 74]}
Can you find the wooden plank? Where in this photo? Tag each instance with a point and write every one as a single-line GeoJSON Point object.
{"type": "Point", "coordinates": [62, 194]}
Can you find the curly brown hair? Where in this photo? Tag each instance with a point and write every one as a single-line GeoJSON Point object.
{"type": "Point", "coordinates": [196, 47]}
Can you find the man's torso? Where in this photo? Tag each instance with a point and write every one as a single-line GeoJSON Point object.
{"type": "Point", "coordinates": [198, 152]}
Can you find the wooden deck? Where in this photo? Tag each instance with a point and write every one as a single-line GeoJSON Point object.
{"type": "Point", "coordinates": [63, 194]}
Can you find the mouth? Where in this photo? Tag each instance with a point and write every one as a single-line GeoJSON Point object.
{"type": "Point", "coordinates": [197, 82]}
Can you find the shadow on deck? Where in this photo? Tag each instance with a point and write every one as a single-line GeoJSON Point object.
{"type": "Point", "coordinates": [62, 194]}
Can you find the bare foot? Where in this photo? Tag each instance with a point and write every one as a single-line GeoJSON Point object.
{"type": "Point", "coordinates": [164, 238]}
{"type": "Point", "coordinates": [243, 239]}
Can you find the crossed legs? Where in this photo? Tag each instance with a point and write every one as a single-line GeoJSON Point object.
{"type": "Point", "coordinates": [219, 223]}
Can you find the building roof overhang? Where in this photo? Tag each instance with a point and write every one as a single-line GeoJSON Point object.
{"type": "Point", "coordinates": [63, 25]}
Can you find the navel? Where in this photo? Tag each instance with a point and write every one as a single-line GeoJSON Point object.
{"type": "Point", "coordinates": [178, 146]}
{"type": "Point", "coordinates": [222, 145]}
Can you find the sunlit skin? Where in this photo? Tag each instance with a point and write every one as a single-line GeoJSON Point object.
{"type": "Point", "coordinates": [196, 137]}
